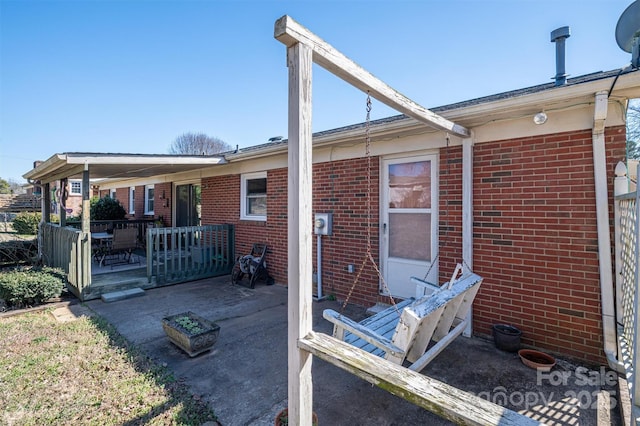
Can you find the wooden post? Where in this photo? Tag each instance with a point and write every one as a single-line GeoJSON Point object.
{"type": "Point", "coordinates": [86, 191]}
{"type": "Point", "coordinates": [46, 202]}
{"type": "Point", "coordinates": [299, 61]}
{"type": "Point", "coordinates": [289, 32]}
{"type": "Point", "coordinates": [63, 210]}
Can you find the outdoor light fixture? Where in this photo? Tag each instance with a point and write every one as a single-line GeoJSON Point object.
{"type": "Point", "coordinates": [540, 118]}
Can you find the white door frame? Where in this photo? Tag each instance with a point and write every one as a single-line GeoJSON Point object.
{"type": "Point", "coordinates": [400, 286]}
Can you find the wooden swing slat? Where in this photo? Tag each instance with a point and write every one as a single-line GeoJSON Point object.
{"type": "Point", "coordinates": [289, 32]}
{"type": "Point", "coordinates": [447, 401]}
{"type": "Point", "coordinates": [406, 331]}
{"type": "Point", "coordinates": [365, 333]}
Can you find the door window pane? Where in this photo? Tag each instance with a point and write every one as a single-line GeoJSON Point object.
{"type": "Point", "coordinates": [410, 236]}
{"type": "Point", "coordinates": [410, 185]}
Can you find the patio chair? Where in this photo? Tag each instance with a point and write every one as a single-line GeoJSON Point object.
{"type": "Point", "coordinates": [253, 265]}
{"type": "Point", "coordinates": [124, 242]}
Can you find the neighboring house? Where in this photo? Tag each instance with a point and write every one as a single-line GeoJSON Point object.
{"type": "Point", "coordinates": [74, 196]}
{"type": "Point", "coordinates": [535, 232]}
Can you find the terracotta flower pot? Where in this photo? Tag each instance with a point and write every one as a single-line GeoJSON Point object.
{"type": "Point", "coordinates": [536, 359]}
{"type": "Point", "coordinates": [282, 418]}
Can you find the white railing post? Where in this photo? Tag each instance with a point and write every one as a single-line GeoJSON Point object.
{"type": "Point", "coordinates": [620, 186]}
{"type": "Point", "coordinates": [636, 323]}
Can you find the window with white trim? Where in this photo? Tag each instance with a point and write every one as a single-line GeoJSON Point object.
{"type": "Point", "coordinates": [112, 194]}
{"type": "Point", "coordinates": [132, 200]}
{"type": "Point", "coordinates": [148, 199]}
{"type": "Point", "coordinates": [253, 196]}
{"type": "Point", "coordinates": [75, 187]}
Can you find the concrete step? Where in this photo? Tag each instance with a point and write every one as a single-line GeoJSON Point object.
{"type": "Point", "coordinates": [114, 296]}
{"type": "Point", "coordinates": [378, 307]}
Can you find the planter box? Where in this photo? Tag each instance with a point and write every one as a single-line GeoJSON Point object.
{"type": "Point", "coordinates": [190, 332]}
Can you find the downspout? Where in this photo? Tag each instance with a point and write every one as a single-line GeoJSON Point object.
{"type": "Point", "coordinates": [467, 215]}
{"type": "Point", "coordinates": [604, 239]}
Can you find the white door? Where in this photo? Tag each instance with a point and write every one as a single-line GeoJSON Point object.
{"type": "Point", "coordinates": [409, 218]}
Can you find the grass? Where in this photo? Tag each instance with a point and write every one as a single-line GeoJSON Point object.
{"type": "Point", "coordinates": [84, 373]}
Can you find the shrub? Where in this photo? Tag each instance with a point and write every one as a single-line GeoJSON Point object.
{"type": "Point", "coordinates": [106, 208]}
{"type": "Point", "coordinates": [29, 287]}
{"type": "Point", "coordinates": [26, 223]}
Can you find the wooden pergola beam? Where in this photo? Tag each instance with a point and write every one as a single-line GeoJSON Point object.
{"type": "Point", "coordinates": [289, 32]}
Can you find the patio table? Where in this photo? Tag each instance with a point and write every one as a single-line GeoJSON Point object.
{"type": "Point", "coordinates": [103, 240]}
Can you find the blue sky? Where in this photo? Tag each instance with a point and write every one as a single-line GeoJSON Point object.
{"type": "Point", "coordinates": [131, 76]}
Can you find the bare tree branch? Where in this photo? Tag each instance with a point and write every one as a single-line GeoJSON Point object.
{"type": "Point", "coordinates": [633, 129]}
{"type": "Point", "coordinates": [198, 144]}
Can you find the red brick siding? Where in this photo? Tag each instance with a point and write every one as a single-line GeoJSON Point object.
{"type": "Point", "coordinates": [122, 196]}
{"type": "Point", "coordinates": [339, 187]}
{"type": "Point", "coordinates": [162, 206]}
{"type": "Point", "coordinates": [162, 202]}
{"type": "Point", "coordinates": [535, 232]}
{"type": "Point", "coordinates": [535, 239]}
{"type": "Point", "coordinates": [450, 214]}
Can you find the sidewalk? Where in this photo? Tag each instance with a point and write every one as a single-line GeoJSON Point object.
{"type": "Point", "coordinates": [244, 377]}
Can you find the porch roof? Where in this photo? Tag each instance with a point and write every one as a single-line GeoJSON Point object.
{"type": "Point", "coordinates": [117, 166]}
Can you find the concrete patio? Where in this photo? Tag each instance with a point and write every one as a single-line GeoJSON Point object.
{"type": "Point", "coordinates": [244, 377]}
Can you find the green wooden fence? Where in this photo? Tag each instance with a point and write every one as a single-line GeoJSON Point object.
{"type": "Point", "coordinates": [69, 249]}
{"type": "Point", "coordinates": [189, 252]}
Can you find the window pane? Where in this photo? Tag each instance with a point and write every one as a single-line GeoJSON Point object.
{"type": "Point", "coordinates": [256, 186]}
{"type": "Point", "coordinates": [150, 199]}
{"type": "Point", "coordinates": [410, 236]}
{"type": "Point", "coordinates": [410, 185]}
{"type": "Point", "coordinates": [257, 206]}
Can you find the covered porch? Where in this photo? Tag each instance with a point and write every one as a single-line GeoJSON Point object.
{"type": "Point", "coordinates": [158, 255]}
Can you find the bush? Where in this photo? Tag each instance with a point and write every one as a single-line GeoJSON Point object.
{"type": "Point", "coordinates": [29, 287]}
{"type": "Point", "coordinates": [27, 223]}
{"type": "Point", "coordinates": [106, 208]}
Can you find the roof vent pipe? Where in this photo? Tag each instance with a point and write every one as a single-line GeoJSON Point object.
{"type": "Point", "coordinates": [558, 37]}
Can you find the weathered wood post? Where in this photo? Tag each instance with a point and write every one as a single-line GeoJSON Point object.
{"type": "Point", "coordinates": [299, 61]}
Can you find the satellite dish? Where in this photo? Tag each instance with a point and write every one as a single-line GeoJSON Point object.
{"type": "Point", "coordinates": [628, 32]}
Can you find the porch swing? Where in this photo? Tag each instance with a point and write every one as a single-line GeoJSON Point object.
{"type": "Point", "coordinates": [417, 329]}
{"type": "Point", "coordinates": [303, 49]}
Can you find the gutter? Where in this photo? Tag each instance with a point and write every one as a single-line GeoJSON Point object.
{"type": "Point", "coordinates": [604, 239]}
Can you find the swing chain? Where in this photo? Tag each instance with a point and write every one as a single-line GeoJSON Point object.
{"type": "Point", "coordinates": [369, 255]}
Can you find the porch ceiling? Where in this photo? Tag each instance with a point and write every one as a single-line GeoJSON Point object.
{"type": "Point", "coordinates": [120, 166]}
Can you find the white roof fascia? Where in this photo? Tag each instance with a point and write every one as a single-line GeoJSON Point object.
{"type": "Point", "coordinates": [627, 86]}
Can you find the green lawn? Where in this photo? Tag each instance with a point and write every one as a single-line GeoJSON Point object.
{"type": "Point", "coordinates": [84, 373]}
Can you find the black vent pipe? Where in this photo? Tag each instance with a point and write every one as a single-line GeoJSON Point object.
{"type": "Point", "coordinates": [558, 37]}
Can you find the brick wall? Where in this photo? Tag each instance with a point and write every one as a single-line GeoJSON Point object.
{"type": "Point", "coordinates": [162, 206]}
{"type": "Point", "coordinates": [535, 239]}
{"type": "Point", "coordinates": [535, 232]}
{"type": "Point", "coordinates": [122, 196]}
{"type": "Point", "coordinates": [162, 202]}
{"type": "Point", "coordinates": [340, 187]}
